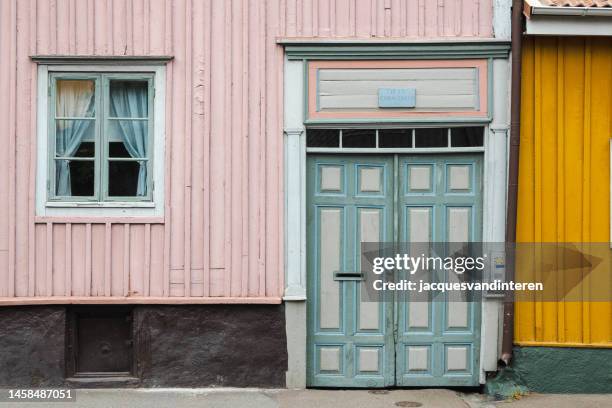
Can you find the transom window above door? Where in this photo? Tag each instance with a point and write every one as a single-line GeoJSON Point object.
{"type": "Point", "coordinates": [100, 137]}
{"type": "Point", "coordinates": [465, 138]}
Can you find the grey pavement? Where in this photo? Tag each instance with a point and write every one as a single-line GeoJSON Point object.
{"type": "Point", "coordinates": [265, 398]}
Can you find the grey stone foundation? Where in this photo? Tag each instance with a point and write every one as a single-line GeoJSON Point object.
{"type": "Point", "coordinates": [173, 346]}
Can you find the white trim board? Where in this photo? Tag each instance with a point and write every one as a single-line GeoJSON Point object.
{"type": "Point", "coordinates": [569, 25]}
{"type": "Point", "coordinates": [502, 19]}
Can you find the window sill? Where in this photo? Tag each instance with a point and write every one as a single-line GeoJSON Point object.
{"type": "Point", "coordinates": [108, 210]}
{"type": "Point", "coordinates": [103, 381]}
{"type": "Point", "coordinates": [84, 204]}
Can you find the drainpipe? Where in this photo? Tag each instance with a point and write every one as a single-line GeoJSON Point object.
{"type": "Point", "coordinates": [513, 162]}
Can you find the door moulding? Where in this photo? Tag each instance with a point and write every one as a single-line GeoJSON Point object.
{"type": "Point", "coordinates": [493, 221]}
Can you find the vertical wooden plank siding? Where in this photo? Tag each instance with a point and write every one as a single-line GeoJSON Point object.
{"type": "Point", "coordinates": [222, 232]}
{"type": "Point", "coordinates": [564, 178]}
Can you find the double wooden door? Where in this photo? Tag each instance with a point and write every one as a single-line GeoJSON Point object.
{"type": "Point", "coordinates": [393, 198]}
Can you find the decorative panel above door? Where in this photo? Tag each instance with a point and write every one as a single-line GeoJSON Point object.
{"type": "Point", "coordinates": [398, 90]}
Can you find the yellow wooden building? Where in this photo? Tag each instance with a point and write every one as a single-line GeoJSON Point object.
{"type": "Point", "coordinates": [564, 179]}
{"type": "Point", "coordinates": [564, 174]}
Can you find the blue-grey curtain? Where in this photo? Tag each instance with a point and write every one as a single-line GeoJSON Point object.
{"type": "Point", "coordinates": [74, 99]}
{"type": "Point", "coordinates": [130, 100]}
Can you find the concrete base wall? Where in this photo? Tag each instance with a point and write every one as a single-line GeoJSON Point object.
{"type": "Point", "coordinates": [295, 314]}
{"type": "Point", "coordinates": [32, 342]}
{"type": "Point", "coordinates": [556, 370]}
{"type": "Point", "coordinates": [174, 346]}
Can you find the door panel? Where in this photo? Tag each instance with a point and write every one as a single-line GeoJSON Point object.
{"type": "Point", "coordinates": [437, 340]}
{"type": "Point", "coordinates": [350, 200]}
{"type": "Point", "coordinates": [412, 341]}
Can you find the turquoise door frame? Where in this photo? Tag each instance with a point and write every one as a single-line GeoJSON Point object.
{"type": "Point", "coordinates": [388, 198]}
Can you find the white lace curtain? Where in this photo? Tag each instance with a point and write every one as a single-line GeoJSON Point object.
{"type": "Point", "coordinates": [75, 99]}
{"type": "Point", "coordinates": [130, 100]}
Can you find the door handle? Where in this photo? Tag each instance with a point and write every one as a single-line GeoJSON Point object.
{"type": "Point", "coordinates": [348, 276]}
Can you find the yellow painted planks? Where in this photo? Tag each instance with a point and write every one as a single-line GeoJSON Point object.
{"type": "Point", "coordinates": [564, 183]}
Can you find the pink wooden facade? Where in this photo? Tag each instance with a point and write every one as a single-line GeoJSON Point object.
{"type": "Point", "coordinates": [221, 236]}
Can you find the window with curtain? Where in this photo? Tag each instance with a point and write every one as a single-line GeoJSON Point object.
{"type": "Point", "coordinates": [100, 137]}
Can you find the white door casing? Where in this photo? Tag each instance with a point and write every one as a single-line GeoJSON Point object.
{"type": "Point", "coordinates": [494, 208]}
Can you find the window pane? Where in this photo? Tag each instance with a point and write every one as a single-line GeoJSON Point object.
{"type": "Point", "coordinates": [434, 137]}
{"type": "Point", "coordinates": [86, 149]}
{"type": "Point", "coordinates": [117, 149]}
{"type": "Point", "coordinates": [74, 178]}
{"type": "Point", "coordinates": [467, 137]}
{"type": "Point", "coordinates": [322, 138]}
{"type": "Point", "coordinates": [358, 138]}
{"type": "Point", "coordinates": [127, 179]}
{"type": "Point", "coordinates": [129, 99]}
{"type": "Point", "coordinates": [75, 98]}
{"type": "Point", "coordinates": [131, 134]}
{"type": "Point", "coordinates": [70, 135]}
{"type": "Point", "coordinates": [395, 138]}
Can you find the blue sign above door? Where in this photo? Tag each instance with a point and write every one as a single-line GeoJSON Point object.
{"type": "Point", "coordinates": [396, 97]}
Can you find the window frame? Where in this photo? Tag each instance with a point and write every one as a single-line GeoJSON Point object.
{"type": "Point", "coordinates": [51, 136]}
{"type": "Point", "coordinates": [102, 118]}
{"type": "Point", "coordinates": [106, 159]}
{"type": "Point", "coordinates": [47, 202]}
{"type": "Point", "coordinates": [449, 148]}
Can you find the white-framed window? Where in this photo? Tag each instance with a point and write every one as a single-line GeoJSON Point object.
{"type": "Point", "coordinates": [100, 140]}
